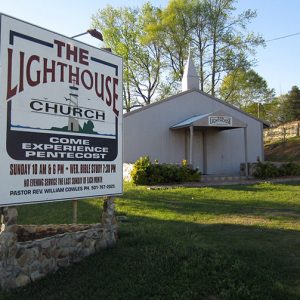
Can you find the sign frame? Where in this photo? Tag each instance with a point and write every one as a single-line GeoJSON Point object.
{"type": "Point", "coordinates": [220, 121]}
{"type": "Point", "coordinates": [61, 115]}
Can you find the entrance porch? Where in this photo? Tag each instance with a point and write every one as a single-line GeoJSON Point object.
{"type": "Point", "coordinates": [209, 148]}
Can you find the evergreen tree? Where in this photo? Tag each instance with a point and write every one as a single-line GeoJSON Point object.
{"type": "Point", "coordinates": [293, 103]}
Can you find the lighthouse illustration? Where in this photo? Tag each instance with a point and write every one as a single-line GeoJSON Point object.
{"type": "Point", "coordinates": [73, 123]}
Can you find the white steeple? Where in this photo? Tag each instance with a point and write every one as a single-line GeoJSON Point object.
{"type": "Point", "coordinates": [190, 78]}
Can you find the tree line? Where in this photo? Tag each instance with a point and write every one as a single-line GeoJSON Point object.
{"type": "Point", "coordinates": [154, 43]}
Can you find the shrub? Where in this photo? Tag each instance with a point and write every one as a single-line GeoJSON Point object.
{"type": "Point", "coordinates": [140, 170]}
{"type": "Point", "coordinates": [146, 173]}
{"type": "Point", "coordinates": [268, 170]}
{"type": "Point", "coordinates": [265, 170]}
{"type": "Point", "coordinates": [289, 169]}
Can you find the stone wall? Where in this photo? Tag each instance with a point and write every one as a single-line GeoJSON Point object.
{"type": "Point", "coordinates": [282, 132]}
{"type": "Point", "coordinates": [30, 252]}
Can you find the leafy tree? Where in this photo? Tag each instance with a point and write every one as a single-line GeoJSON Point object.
{"type": "Point", "coordinates": [123, 31]}
{"type": "Point", "coordinates": [272, 112]}
{"type": "Point", "coordinates": [230, 43]}
{"type": "Point", "coordinates": [291, 105]}
{"type": "Point", "coordinates": [172, 31]}
{"type": "Point", "coordinates": [221, 40]}
{"type": "Point", "coordinates": [281, 109]}
{"type": "Point", "coordinates": [246, 90]}
{"type": "Point", "coordinates": [154, 45]}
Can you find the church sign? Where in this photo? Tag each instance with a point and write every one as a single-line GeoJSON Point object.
{"type": "Point", "coordinates": [219, 121]}
{"type": "Point", "coordinates": [61, 117]}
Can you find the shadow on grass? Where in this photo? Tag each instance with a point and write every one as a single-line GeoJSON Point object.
{"type": "Point", "coordinates": [156, 259]}
{"type": "Point", "coordinates": [174, 260]}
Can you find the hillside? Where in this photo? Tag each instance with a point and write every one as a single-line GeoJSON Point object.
{"type": "Point", "coordinates": [283, 151]}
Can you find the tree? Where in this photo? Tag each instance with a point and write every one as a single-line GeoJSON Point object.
{"type": "Point", "coordinates": [230, 43]}
{"type": "Point", "coordinates": [272, 112]}
{"type": "Point", "coordinates": [123, 31]}
{"type": "Point", "coordinates": [246, 90]}
{"type": "Point", "coordinates": [282, 109]}
{"type": "Point", "coordinates": [220, 38]}
{"type": "Point", "coordinates": [291, 105]}
{"type": "Point", "coordinates": [171, 30]}
{"type": "Point", "coordinates": [154, 44]}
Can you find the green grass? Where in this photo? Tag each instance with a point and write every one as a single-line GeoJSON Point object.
{"type": "Point", "coordinates": [233, 242]}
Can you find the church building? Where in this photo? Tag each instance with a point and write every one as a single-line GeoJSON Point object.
{"type": "Point", "coordinates": [212, 135]}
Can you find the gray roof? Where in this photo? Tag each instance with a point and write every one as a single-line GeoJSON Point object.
{"type": "Point", "coordinates": [265, 123]}
{"type": "Point", "coordinates": [189, 121]}
{"type": "Point", "coordinates": [218, 119]}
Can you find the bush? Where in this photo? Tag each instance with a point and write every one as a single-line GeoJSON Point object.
{"type": "Point", "coordinates": [289, 169]}
{"type": "Point", "coordinates": [268, 170]}
{"type": "Point", "coordinates": [265, 170]}
{"type": "Point", "coordinates": [146, 173]}
{"type": "Point", "coordinates": [140, 170]}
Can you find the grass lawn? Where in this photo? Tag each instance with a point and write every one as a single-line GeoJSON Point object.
{"type": "Point", "coordinates": [232, 242]}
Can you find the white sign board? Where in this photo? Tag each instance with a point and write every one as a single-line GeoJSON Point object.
{"type": "Point", "coordinates": [60, 117]}
{"type": "Point", "coordinates": [219, 121]}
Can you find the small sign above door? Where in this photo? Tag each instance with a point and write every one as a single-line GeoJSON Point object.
{"type": "Point", "coordinates": [219, 121]}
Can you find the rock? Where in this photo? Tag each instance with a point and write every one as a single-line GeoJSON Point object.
{"type": "Point", "coordinates": [36, 276]}
{"type": "Point", "coordinates": [22, 280]}
{"type": "Point", "coordinates": [31, 229]}
{"type": "Point", "coordinates": [7, 241]}
{"type": "Point", "coordinates": [108, 212]}
{"type": "Point", "coordinates": [10, 215]}
{"type": "Point", "coordinates": [64, 241]}
{"type": "Point", "coordinates": [85, 252]}
{"type": "Point", "coordinates": [12, 228]}
{"type": "Point", "coordinates": [25, 258]}
{"type": "Point", "coordinates": [63, 252]}
{"type": "Point", "coordinates": [45, 243]}
{"type": "Point", "coordinates": [20, 252]}
{"type": "Point", "coordinates": [63, 262]}
{"type": "Point", "coordinates": [12, 250]}
{"type": "Point", "coordinates": [111, 242]}
{"type": "Point", "coordinates": [52, 265]}
{"type": "Point", "coordinates": [47, 266]}
{"type": "Point", "coordinates": [8, 283]}
{"type": "Point", "coordinates": [34, 267]}
{"type": "Point", "coordinates": [101, 244]}
{"type": "Point", "coordinates": [54, 252]}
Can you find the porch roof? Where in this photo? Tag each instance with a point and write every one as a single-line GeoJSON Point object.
{"type": "Point", "coordinates": [218, 119]}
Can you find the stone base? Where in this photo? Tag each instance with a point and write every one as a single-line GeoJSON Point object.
{"type": "Point", "coordinates": [23, 261]}
{"type": "Point", "coordinates": [30, 252]}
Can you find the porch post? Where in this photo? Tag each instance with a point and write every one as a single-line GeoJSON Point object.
{"type": "Point", "coordinates": [246, 152]}
{"type": "Point", "coordinates": [191, 144]}
{"type": "Point", "coordinates": [204, 136]}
